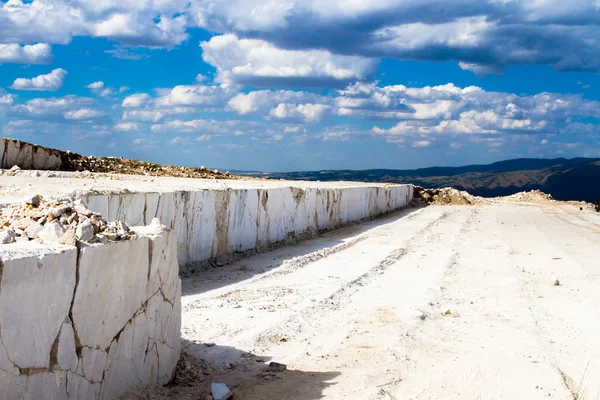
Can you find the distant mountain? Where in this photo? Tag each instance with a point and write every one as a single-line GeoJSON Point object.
{"type": "Point", "coordinates": [564, 179]}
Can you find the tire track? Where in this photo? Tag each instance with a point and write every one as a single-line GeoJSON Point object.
{"type": "Point", "coordinates": [305, 319]}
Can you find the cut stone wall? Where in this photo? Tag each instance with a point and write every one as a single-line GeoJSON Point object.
{"type": "Point", "coordinates": [213, 224]}
{"type": "Point", "coordinates": [91, 322]}
{"type": "Point", "coordinates": [28, 156]}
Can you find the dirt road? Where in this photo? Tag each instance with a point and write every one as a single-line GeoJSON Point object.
{"type": "Point", "coordinates": [440, 302]}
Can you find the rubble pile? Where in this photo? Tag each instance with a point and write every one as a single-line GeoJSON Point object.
{"type": "Point", "coordinates": [448, 196]}
{"type": "Point", "coordinates": [531, 196]}
{"type": "Point", "coordinates": [57, 221]}
{"type": "Point", "coordinates": [78, 163]}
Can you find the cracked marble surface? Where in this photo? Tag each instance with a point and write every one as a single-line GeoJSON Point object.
{"type": "Point", "coordinates": [92, 322]}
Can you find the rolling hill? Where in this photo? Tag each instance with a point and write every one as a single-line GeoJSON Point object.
{"type": "Point", "coordinates": [564, 179]}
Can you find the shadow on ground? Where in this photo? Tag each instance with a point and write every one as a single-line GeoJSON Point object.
{"type": "Point", "coordinates": [247, 375]}
{"type": "Point", "coordinates": [211, 278]}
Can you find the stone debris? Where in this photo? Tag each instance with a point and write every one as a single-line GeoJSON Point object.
{"type": "Point", "coordinates": [447, 196]}
{"type": "Point", "coordinates": [531, 196]}
{"type": "Point", "coordinates": [33, 201]}
{"type": "Point", "coordinates": [24, 157]}
{"type": "Point", "coordinates": [220, 391]}
{"type": "Point", "coordinates": [275, 366]}
{"type": "Point", "coordinates": [57, 221]}
{"type": "Point", "coordinates": [7, 236]}
{"type": "Point", "coordinates": [451, 196]}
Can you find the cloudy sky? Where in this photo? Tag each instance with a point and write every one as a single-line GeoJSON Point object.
{"type": "Point", "coordinates": [281, 85]}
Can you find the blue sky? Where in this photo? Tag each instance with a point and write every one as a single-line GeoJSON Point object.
{"type": "Point", "coordinates": [282, 85]}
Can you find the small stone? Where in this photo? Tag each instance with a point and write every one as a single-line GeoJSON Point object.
{"type": "Point", "coordinates": [81, 209]}
{"type": "Point", "coordinates": [23, 223]}
{"type": "Point", "coordinates": [51, 232]}
{"type": "Point", "coordinates": [15, 168]}
{"type": "Point", "coordinates": [68, 237]}
{"type": "Point", "coordinates": [32, 231]}
{"type": "Point", "coordinates": [7, 236]}
{"type": "Point", "coordinates": [85, 231]}
{"type": "Point", "coordinates": [33, 200]}
{"type": "Point", "coordinates": [56, 212]}
{"type": "Point", "coordinates": [220, 391]}
{"type": "Point", "coordinates": [122, 228]}
{"type": "Point", "coordinates": [110, 235]}
{"type": "Point", "coordinates": [555, 281]}
{"type": "Point", "coordinates": [275, 366]}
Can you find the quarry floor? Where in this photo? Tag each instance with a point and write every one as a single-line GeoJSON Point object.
{"type": "Point", "coordinates": [430, 303]}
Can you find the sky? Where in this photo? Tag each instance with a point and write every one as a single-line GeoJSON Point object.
{"type": "Point", "coordinates": [290, 85]}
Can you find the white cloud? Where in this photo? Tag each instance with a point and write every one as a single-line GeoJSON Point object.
{"type": "Point", "coordinates": [421, 143]}
{"type": "Point", "coordinates": [305, 112]}
{"type": "Point", "coordinates": [195, 95]}
{"type": "Point", "coordinates": [196, 125]}
{"type": "Point", "coordinates": [49, 82]}
{"type": "Point", "coordinates": [6, 99]}
{"type": "Point", "coordinates": [127, 126]}
{"type": "Point", "coordinates": [484, 36]}
{"type": "Point", "coordinates": [252, 61]}
{"type": "Point", "coordinates": [101, 90]}
{"type": "Point", "coordinates": [177, 140]}
{"type": "Point", "coordinates": [52, 108]}
{"type": "Point", "coordinates": [83, 114]}
{"type": "Point", "coordinates": [136, 100]}
{"type": "Point", "coordinates": [40, 53]}
{"type": "Point", "coordinates": [96, 85]}
{"type": "Point", "coordinates": [144, 115]}
{"type": "Point", "coordinates": [262, 101]}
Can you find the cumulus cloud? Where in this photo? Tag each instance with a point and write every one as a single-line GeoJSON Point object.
{"type": "Point", "coordinates": [305, 112]}
{"type": "Point", "coordinates": [484, 35]}
{"type": "Point", "coordinates": [136, 100]}
{"type": "Point", "coordinates": [50, 107]}
{"type": "Point", "coordinates": [262, 101]}
{"type": "Point", "coordinates": [83, 114]}
{"type": "Point", "coordinates": [40, 53]}
{"type": "Point", "coordinates": [271, 39]}
{"type": "Point", "coordinates": [127, 126]}
{"type": "Point", "coordinates": [96, 85]}
{"type": "Point", "coordinates": [257, 62]}
{"type": "Point", "coordinates": [135, 23]}
{"type": "Point", "coordinates": [195, 95]}
{"type": "Point", "coordinates": [197, 126]}
{"type": "Point", "coordinates": [450, 111]}
{"type": "Point", "coordinates": [49, 82]}
{"type": "Point", "coordinates": [101, 90]}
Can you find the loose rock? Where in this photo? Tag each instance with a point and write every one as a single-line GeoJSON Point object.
{"type": "Point", "coordinates": [85, 231]}
{"type": "Point", "coordinates": [51, 232]}
{"type": "Point", "coordinates": [7, 236]}
{"type": "Point", "coordinates": [32, 231]}
{"type": "Point", "coordinates": [68, 237]}
{"type": "Point", "coordinates": [275, 366]}
{"type": "Point", "coordinates": [220, 391]}
{"type": "Point", "coordinates": [33, 200]}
